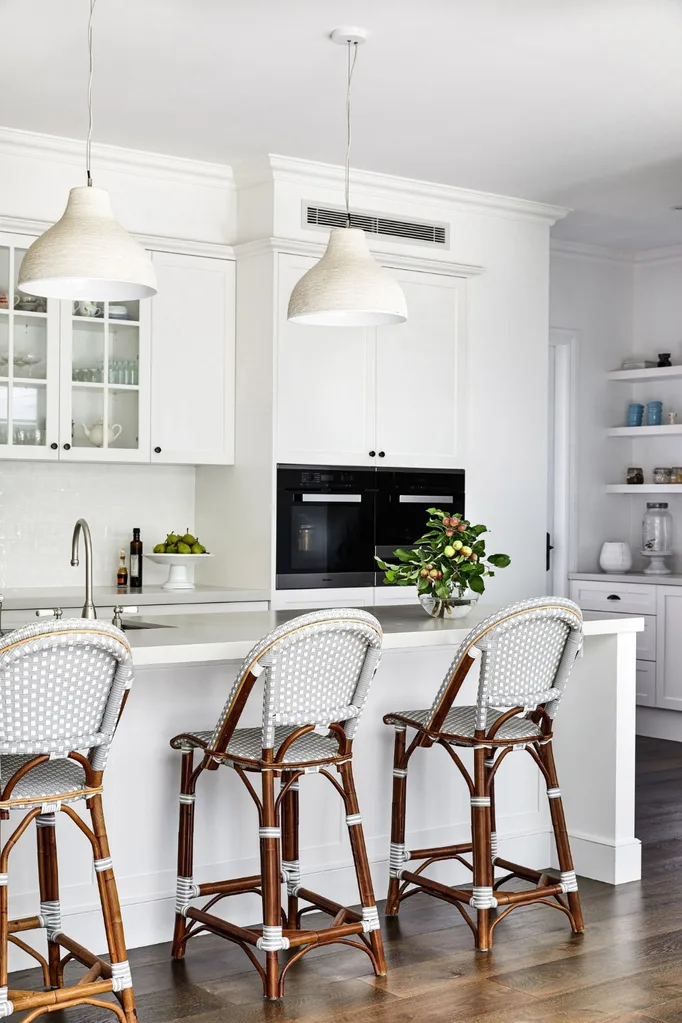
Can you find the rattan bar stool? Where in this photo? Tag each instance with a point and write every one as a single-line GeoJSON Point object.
{"type": "Point", "coordinates": [317, 670]}
{"type": "Point", "coordinates": [527, 652]}
{"type": "Point", "coordinates": [63, 685]}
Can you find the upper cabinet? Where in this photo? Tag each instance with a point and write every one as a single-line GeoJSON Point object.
{"type": "Point", "coordinates": [192, 396]}
{"type": "Point", "coordinates": [120, 382]}
{"type": "Point", "coordinates": [388, 396]}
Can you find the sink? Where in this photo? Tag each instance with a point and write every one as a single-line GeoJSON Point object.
{"type": "Point", "coordinates": [132, 626]}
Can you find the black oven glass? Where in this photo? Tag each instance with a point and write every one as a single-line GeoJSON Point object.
{"type": "Point", "coordinates": [404, 495]}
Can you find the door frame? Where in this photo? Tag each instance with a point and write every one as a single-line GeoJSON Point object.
{"type": "Point", "coordinates": [564, 498]}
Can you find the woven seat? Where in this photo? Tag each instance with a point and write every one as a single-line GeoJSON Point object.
{"type": "Point", "coordinates": [63, 685]}
{"type": "Point", "coordinates": [461, 721]}
{"type": "Point", "coordinates": [526, 653]}
{"type": "Point", "coordinates": [316, 670]}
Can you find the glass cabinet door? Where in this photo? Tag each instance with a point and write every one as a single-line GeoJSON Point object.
{"type": "Point", "coordinates": [29, 363]}
{"type": "Point", "coordinates": [104, 417]}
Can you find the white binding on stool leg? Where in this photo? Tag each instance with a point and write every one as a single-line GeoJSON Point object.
{"type": "Point", "coordinates": [482, 898]}
{"type": "Point", "coordinates": [370, 919]}
{"type": "Point", "coordinates": [185, 891]}
{"type": "Point", "coordinates": [273, 940]}
{"type": "Point", "coordinates": [568, 881]}
{"type": "Point", "coordinates": [6, 1007]}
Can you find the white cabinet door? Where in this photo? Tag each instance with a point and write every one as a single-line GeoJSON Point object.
{"type": "Point", "coordinates": [669, 648]}
{"type": "Point", "coordinates": [646, 684]}
{"type": "Point", "coordinates": [419, 373]}
{"type": "Point", "coordinates": [192, 392]}
{"type": "Point", "coordinates": [325, 385]}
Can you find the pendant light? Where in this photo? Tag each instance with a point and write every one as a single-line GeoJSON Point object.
{"type": "Point", "coordinates": [87, 254]}
{"type": "Point", "coordinates": [347, 288]}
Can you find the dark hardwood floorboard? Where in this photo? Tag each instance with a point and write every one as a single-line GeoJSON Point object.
{"type": "Point", "coordinates": [626, 968]}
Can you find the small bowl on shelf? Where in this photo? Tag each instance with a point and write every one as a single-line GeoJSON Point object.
{"type": "Point", "coordinates": [179, 564]}
{"type": "Point", "coordinates": [118, 312]}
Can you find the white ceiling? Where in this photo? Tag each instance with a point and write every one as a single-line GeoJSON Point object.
{"type": "Point", "coordinates": [571, 101]}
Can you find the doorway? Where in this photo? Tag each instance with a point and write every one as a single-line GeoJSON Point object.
{"type": "Point", "coordinates": [561, 446]}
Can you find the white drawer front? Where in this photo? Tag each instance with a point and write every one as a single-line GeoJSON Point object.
{"type": "Point", "coordinates": [635, 598]}
{"type": "Point", "coordinates": [646, 684]}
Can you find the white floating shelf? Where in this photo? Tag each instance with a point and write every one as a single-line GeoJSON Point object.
{"type": "Point", "coordinates": [632, 376]}
{"type": "Point", "coordinates": [644, 488]}
{"type": "Point", "coordinates": [645, 431]}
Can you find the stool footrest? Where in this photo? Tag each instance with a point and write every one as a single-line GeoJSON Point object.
{"type": "Point", "coordinates": [326, 934]}
{"type": "Point", "coordinates": [235, 886]}
{"type": "Point", "coordinates": [83, 955]}
{"type": "Point", "coordinates": [527, 873]}
{"type": "Point", "coordinates": [528, 895]}
{"type": "Point", "coordinates": [441, 852]}
{"type": "Point", "coordinates": [327, 905]}
{"type": "Point", "coordinates": [27, 923]}
{"type": "Point", "coordinates": [442, 890]}
{"type": "Point", "coordinates": [223, 927]}
{"type": "Point", "coordinates": [23, 1000]}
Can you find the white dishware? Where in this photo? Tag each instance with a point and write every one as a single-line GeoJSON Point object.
{"type": "Point", "coordinates": [118, 312]}
{"type": "Point", "coordinates": [615, 557]}
{"type": "Point", "coordinates": [178, 578]}
{"type": "Point", "coordinates": [88, 309]}
{"type": "Point", "coordinates": [95, 433]}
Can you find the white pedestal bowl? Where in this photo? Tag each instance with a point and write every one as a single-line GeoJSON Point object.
{"type": "Point", "coordinates": [179, 564]}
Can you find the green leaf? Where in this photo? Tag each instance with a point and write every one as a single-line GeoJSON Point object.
{"type": "Point", "coordinates": [383, 565]}
{"type": "Point", "coordinates": [477, 530]}
{"type": "Point", "coordinates": [442, 590]}
{"type": "Point", "coordinates": [476, 584]}
{"type": "Point", "coordinates": [403, 555]}
{"type": "Point", "coordinates": [436, 511]}
{"type": "Point", "coordinates": [499, 560]}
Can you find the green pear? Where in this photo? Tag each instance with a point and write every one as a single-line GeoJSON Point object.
{"type": "Point", "coordinates": [184, 548]}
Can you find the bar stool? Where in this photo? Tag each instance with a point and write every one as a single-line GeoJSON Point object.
{"type": "Point", "coordinates": [527, 652]}
{"type": "Point", "coordinates": [317, 670]}
{"type": "Point", "coordinates": [63, 686]}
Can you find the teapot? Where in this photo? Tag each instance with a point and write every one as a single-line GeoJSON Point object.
{"type": "Point", "coordinates": [95, 433]}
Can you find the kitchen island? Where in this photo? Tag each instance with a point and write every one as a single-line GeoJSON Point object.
{"type": "Point", "coordinates": [184, 668]}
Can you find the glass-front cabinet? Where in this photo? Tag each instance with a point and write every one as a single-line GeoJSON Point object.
{"type": "Point", "coordinates": [29, 363]}
{"type": "Point", "coordinates": [105, 355]}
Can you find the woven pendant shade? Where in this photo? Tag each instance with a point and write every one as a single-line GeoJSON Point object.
{"type": "Point", "coordinates": [347, 288]}
{"type": "Point", "coordinates": [88, 255]}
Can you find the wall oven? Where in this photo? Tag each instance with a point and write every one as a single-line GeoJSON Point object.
{"type": "Point", "coordinates": [331, 521]}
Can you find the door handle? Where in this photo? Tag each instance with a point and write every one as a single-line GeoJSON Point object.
{"type": "Point", "coordinates": [548, 548]}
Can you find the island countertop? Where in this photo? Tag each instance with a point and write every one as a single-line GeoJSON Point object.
{"type": "Point", "coordinates": [190, 639]}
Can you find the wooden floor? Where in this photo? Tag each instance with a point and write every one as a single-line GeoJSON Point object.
{"type": "Point", "coordinates": [626, 967]}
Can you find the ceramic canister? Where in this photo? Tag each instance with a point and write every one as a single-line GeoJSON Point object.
{"type": "Point", "coordinates": [615, 557]}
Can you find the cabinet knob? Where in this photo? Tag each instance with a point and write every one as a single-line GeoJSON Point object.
{"type": "Point", "coordinates": [382, 454]}
{"type": "Point", "coordinates": [157, 451]}
{"type": "Point", "coordinates": [54, 446]}
{"type": "Point", "coordinates": [372, 454]}
{"type": "Point", "coordinates": [67, 447]}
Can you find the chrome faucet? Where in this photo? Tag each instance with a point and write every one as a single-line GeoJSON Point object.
{"type": "Point", "coordinates": [89, 609]}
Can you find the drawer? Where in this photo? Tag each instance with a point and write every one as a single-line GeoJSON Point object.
{"type": "Point", "coordinates": [635, 598]}
{"type": "Point", "coordinates": [646, 684]}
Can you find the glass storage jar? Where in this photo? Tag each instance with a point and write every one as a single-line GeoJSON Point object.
{"type": "Point", "coordinates": [657, 529]}
{"type": "Point", "coordinates": [662, 474]}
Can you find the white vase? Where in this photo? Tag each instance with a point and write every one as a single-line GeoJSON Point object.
{"type": "Point", "coordinates": [615, 557]}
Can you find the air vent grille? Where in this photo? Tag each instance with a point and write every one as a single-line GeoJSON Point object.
{"type": "Point", "coordinates": [431, 234]}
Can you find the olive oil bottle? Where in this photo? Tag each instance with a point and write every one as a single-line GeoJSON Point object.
{"type": "Point", "coordinates": [136, 561]}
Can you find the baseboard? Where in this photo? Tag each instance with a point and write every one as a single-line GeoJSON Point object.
{"type": "Point", "coordinates": [657, 723]}
{"type": "Point", "coordinates": [614, 864]}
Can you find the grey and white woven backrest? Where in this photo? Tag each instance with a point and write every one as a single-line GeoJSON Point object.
{"type": "Point", "coordinates": [318, 668]}
{"type": "Point", "coordinates": [61, 687]}
{"type": "Point", "coordinates": [527, 652]}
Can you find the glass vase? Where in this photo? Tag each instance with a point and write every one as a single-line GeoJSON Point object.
{"type": "Point", "coordinates": [457, 605]}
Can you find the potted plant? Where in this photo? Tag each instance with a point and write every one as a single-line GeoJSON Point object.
{"type": "Point", "coordinates": [448, 565]}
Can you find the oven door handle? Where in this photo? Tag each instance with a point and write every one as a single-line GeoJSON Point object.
{"type": "Point", "coordinates": [424, 498]}
{"type": "Point", "coordinates": [331, 498]}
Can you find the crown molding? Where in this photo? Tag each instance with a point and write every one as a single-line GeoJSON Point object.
{"type": "Point", "coordinates": [594, 253]}
{"type": "Point", "coordinates": [14, 142]}
{"type": "Point", "coordinates": [248, 250]}
{"type": "Point", "coordinates": [159, 243]}
{"type": "Point", "coordinates": [309, 173]}
{"type": "Point", "coordinates": [653, 257]}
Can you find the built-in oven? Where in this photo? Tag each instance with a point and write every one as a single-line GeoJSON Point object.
{"type": "Point", "coordinates": [403, 497]}
{"type": "Point", "coordinates": [325, 527]}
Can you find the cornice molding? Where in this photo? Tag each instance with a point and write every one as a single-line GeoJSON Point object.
{"type": "Point", "coordinates": [309, 173]}
{"type": "Point", "coordinates": [34, 145]}
{"type": "Point", "coordinates": [248, 250]}
{"type": "Point", "coordinates": [595, 253]}
{"type": "Point", "coordinates": [654, 257]}
{"type": "Point", "coordinates": [159, 243]}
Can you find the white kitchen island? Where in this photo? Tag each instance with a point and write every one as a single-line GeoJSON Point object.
{"type": "Point", "coordinates": [183, 674]}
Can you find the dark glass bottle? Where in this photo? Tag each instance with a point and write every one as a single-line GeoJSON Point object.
{"type": "Point", "coordinates": [136, 560]}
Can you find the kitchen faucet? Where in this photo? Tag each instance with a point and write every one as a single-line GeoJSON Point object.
{"type": "Point", "coordinates": [89, 609]}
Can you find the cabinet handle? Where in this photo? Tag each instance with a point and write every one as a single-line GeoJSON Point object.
{"type": "Point", "coordinates": [372, 454]}
{"type": "Point", "coordinates": [157, 451]}
{"type": "Point", "coordinates": [613, 596]}
{"type": "Point", "coordinates": [382, 454]}
{"type": "Point", "coordinates": [67, 447]}
{"type": "Point", "coordinates": [54, 446]}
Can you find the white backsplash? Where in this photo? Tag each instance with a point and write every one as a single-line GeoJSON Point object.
{"type": "Point", "coordinates": [39, 505]}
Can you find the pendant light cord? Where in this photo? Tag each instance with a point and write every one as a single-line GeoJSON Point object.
{"type": "Point", "coordinates": [352, 57]}
{"type": "Point", "coordinates": [88, 144]}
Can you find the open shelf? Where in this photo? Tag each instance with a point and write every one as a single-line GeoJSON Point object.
{"type": "Point", "coordinates": [644, 488]}
{"type": "Point", "coordinates": [645, 431]}
{"type": "Point", "coordinates": [96, 385]}
{"type": "Point", "coordinates": [632, 376]}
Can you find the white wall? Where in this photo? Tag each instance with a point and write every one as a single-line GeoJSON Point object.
{"type": "Point", "coordinates": [39, 505]}
{"type": "Point", "coordinates": [591, 294]}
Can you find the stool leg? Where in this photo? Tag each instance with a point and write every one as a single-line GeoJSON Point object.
{"type": "Point", "coordinates": [185, 848]}
{"type": "Point", "coordinates": [111, 911]}
{"type": "Point", "coordinates": [48, 880]}
{"type": "Point", "coordinates": [271, 876]}
{"type": "Point", "coordinates": [290, 852]}
{"type": "Point", "coordinates": [563, 847]}
{"type": "Point", "coordinates": [397, 822]}
{"type": "Point", "coordinates": [362, 871]}
{"type": "Point", "coordinates": [489, 762]}
{"type": "Point", "coordinates": [482, 896]}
